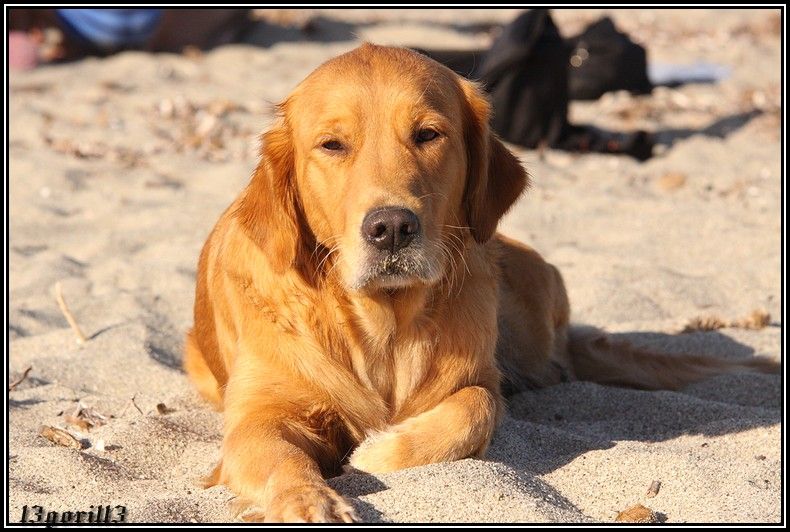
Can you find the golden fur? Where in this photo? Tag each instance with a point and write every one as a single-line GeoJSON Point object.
{"type": "Point", "coordinates": [317, 353]}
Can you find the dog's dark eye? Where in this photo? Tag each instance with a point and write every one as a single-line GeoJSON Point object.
{"type": "Point", "coordinates": [426, 135]}
{"type": "Point", "coordinates": [332, 145]}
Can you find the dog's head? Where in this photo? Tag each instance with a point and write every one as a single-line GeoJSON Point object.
{"type": "Point", "coordinates": [382, 165]}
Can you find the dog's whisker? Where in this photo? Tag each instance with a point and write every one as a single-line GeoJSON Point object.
{"type": "Point", "coordinates": [457, 226]}
{"type": "Point", "coordinates": [449, 259]}
{"type": "Point", "coordinates": [319, 246]}
{"type": "Point", "coordinates": [334, 249]}
{"type": "Point", "coordinates": [429, 194]}
{"type": "Point", "coordinates": [458, 245]}
{"type": "Point", "coordinates": [452, 266]}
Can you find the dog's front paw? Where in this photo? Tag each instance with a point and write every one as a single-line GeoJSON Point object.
{"type": "Point", "coordinates": [305, 504]}
{"type": "Point", "coordinates": [382, 452]}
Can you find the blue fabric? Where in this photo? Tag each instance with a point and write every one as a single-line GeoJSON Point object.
{"type": "Point", "coordinates": [109, 29]}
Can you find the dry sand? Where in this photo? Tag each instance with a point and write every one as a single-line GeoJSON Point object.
{"type": "Point", "coordinates": [119, 167]}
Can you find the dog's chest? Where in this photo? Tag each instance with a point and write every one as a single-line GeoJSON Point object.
{"type": "Point", "coordinates": [391, 355]}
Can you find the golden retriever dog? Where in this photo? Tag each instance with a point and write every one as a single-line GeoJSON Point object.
{"type": "Point", "coordinates": [355, 306]}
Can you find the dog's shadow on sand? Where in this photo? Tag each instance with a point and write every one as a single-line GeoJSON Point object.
{"type": "Point", "coordinates": [550, 427]}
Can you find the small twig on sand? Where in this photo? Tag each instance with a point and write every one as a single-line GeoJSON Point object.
{"type": "Point", "coordinates": [21, 378]}
{"type": "Point", "coordinates": [131, 402]}
{"type": "Point", "coordinates": [81, 339]}
{"type": "Point", "coordinates": [134, 404]}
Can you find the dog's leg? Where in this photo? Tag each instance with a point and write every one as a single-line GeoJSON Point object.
{"type": "Point", "coordinates": [266, 466]}
{"type": "Point", "coordinates": [459, 427]}
{"type": "Point", "coordinates": [270, 464]}
{"type": "Point", "coordinates": [200, 373]}
{"type": "Point", "coordinates": [272, 456]}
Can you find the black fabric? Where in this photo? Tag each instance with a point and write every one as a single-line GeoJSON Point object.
{"type": "Point", "coordinates": [589, 139]}
{"type": "Point", "coordinates": [605, 59]}
{"type": "Point", "coordinates": [526, 73]}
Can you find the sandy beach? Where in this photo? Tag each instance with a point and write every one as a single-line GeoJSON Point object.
{"type": "Point", "coordinates": [119, 167]}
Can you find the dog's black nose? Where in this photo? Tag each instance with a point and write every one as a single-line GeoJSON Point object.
{"type": "Point", "coordinates": [390, 228]}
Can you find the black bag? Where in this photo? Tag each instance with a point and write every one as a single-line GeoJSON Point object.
{"type": "Point", "coordinates": [604, 59]}
{"type": "Point", "coordinates": [526, 73]}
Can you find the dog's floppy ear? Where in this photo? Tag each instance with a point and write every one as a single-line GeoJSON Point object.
{"type": "Point", "coordinates": [495, 177]}
{"type": "Point", "coordinates": [269, 208]}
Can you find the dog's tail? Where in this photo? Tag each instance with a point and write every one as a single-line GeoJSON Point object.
{"type": "Point", "coordinates": [596, 356]}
